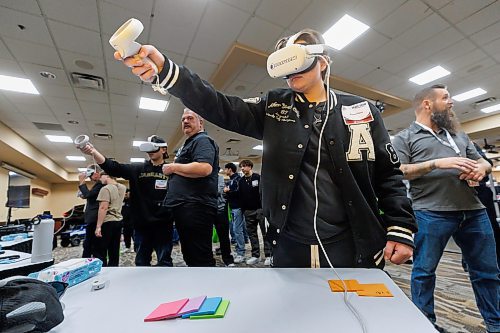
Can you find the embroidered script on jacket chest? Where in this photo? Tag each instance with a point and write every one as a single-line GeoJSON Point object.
{"type": "Point", "coordinates": [281, 112]}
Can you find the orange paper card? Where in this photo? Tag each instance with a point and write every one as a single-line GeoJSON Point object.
{"type": "Point", "coordinates": [337, 286]}
{"type": "Point", "coordinates": [374, 290]}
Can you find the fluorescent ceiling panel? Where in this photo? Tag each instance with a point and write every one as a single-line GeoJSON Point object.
{"type": "Point", "coordinates": [492, 108]}
{"type": "Point", "coordinates": [259, 147]}
{"type": "Point", "coordinates": [344, 32]}
{"type": "Point", "coordinates": [469, 94]}
{"type": "Point", "coordinates": [75, 158]}
{"type": "Point", "coordinates": [17, 84]}
{"type": "Point", "coordinates": [59, 138]}
{"type": "Point", "coordinates": [153, 104]}
{"type": "Point", "coordinates": [137, 160]}
{"type": "Point", "coordinates": [430, 75]}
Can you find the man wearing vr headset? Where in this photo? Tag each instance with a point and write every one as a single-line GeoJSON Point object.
{"type": "Point", "coordinates": [153, 226]}
{"type": "Point", "coordinates": [357, 169]}
{"type": "Point", "coordinates": [91, 208]}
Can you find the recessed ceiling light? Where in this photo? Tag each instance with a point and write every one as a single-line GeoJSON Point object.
{"type": "Point", "coordinates": [259, 147]}
{"type": "Point", "coordinates": [137, 143]}
{"type": "Point", "coordinates": [48, 75]}
{"type": "Point", "coordinates": [137, 160]}
{"type": "Point", "coordinates": [82, 169]}
{"type": "Point", "coordinates": [344, 32]}
{"type": "Point", "coordinates": [492, 108]}
{"type": "Point", "coordinates": [59, 138]}
{"type": "Point", "coordinates": [17, 84]}
{"type": "Point", "coordinates": [153, 104]}
{"type": "Point", "coordinates": [75, 158]}
{"type": "Point", "coordinates": [430, 75]}
{"type": "Point", "coordinates": [469, 94]}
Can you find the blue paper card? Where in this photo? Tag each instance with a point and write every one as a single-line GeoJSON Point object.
{"type": "Point", "coordinates": [207, 308]}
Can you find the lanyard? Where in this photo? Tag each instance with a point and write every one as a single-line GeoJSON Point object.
{"type": "Point", "coordinates": [451, 143]}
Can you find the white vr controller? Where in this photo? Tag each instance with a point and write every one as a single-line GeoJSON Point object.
{"type": "Point", "coordinates": [81, 141]}
{"type": "Point", "coordinates": [123, 40]}
{"type": "Point", "coordinates": [293, 59]}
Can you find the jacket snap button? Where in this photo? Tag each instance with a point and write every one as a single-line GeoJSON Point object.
{"type": "Point", "coordinates": [283, 207]}
{"type": "Point", "coordinates": [290, 176]}
{"type": "Point", "coordinates": [331, 142]}
{"type": "Point", "coordinates": [349, 203]}
{"type": "Point", "coordinates": [274, 242]}
{"type": "Point", "coordinates": [278, 231]}
{"type": "Point", "coordinates": [341, 170]}
{"type": "Point", "coordinates": [306, 126]}
{"type": "Point", "coordinates": [300, 145]}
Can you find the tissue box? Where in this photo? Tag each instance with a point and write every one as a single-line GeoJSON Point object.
{"type": "Point", "coordinates": [72, 271]}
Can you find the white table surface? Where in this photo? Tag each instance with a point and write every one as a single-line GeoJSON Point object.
{"type": "Point", "coordinates": [262, 300]}
{"type": "Point", "coordinates": [5, 244]}
{"type": "Point", "coordinates": [24, 260]}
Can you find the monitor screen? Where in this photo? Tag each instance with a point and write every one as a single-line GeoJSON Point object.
{"type": "Point", "coordinates": [19, 191]}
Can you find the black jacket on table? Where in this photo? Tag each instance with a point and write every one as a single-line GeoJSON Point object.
{"type": "Point", "coordinates": [92, 206]}
{"type": "Point", "coordinates": [369, 175]}
{"type": "Point", "coordinates": [148, 186]}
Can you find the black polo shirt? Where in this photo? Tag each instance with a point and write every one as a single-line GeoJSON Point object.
{"type": "Point", "coordinates": [203, 190]}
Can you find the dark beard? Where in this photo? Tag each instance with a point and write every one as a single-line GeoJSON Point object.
{"type": "Point", "coordinates": [445, 120]}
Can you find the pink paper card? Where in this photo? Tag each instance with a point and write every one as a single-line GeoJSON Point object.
{"type": "Point", "coordinates": [193, 305]}
{"type": "Point", "coordinates": [167, 310]}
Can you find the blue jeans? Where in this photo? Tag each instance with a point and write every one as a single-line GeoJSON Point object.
{"type": "Point", "coordinates": [158, 239]}
{"type": "Point", "coordinates": [472, 232]}
{"type": "Point", "coordinates": [238, 228]}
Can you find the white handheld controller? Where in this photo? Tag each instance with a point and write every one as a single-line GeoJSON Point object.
{"type": "Point", "coordinates": [123, 40]}
{"type": "Point", "coordinates": [81, 141]}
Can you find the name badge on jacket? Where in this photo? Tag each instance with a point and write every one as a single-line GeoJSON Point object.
{"type": "Point", "coordinates": [161, 184]}
{"type": "Point", "coordinates": [359, 113]}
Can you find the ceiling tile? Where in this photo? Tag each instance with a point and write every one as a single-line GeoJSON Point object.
{"type": "Point", "coordinates": [320, 15]}
{"type": "Point", "coordinates": [252, 74]}
{"type": "Point", "coordinates": [113, 16]}
{"type": "Point", "coordinates": [52, 90]}
{"type": "Point", "coordinates": [91, 95]}
{"type": "Point", "coordinates": [487, 35]}
{"type": "Point", "coordinates": [272, 11]}
{"type": "Point", "coordinates": [70, 38]}
{"type": "Point", "coordinates": [384, 54]}
{"type": "Point", "coordinates": [465, 60]}
{"type": "Point", "coordinates": [174, 30]}
{"type": "Point", "coordinates": [365, 44]}
{"type": "Point", "coordinates": [456, 10]}
{"type": "Point", "coordinates": [260, 34]}
{"type": "Point", "coordinates": [11, 68]}
{"type": "Point", "coordinates": [15, 98]}
{"type": "Point", "coordinates": [356, 71]}
{"type": "Point", "coordinates": [217, 31]}
{"type": "Point", "coordinates": [74, 12]}
{"type": "Point", "coordinates": [28, 6]}
{"type": "Point", "coordinates": [400, 20]}
{"type": "Point", "coordinates": [71, 59]}
{"type": "Point", "coordinates": [246, 5]}
{"type": "Point", "coordinates": [372, 78]}
{"type": "Point", "coordinates": [63, 106]}
{"type": "Point", "coordinates": [41, 118]}
{"type": "Point", "coordinates": [372, 11]}
{"type": "Point", "coordinates": [425, 29]}
{"type": "Point", "coordinates": [203, 68]}
{"type": "Point", "coordinates": [124, 87]}
{"type": "Point", "coordinates": [4, 53]}
{"type": "Point", "coordinates": [481, 19]}
{"type": "Point", "coordinates": [461, 47]}
{"type": "Point", "coordinates": [124, 100]}
{"type": "Point", "coordinates": [33, 53]}
{"type": "Point", "coordinates": [35, 27]}
{"type": "Point", "coordinates": [144, 6]}
{"type": "Point", "coordinates": [33, 73]}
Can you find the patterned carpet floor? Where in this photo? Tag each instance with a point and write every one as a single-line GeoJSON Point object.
{"type": "Point", "coordinates": [455, 304]}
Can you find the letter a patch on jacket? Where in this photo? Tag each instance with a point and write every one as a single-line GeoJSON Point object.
{"type": "Point", "coordinates": [361, 139]}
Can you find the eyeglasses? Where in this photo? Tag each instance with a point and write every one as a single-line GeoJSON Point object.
{"type": "Point", "coordinates": [60, 287]}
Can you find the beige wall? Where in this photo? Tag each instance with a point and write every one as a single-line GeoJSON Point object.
{"type": "Point", "coordinates": [61, 198]}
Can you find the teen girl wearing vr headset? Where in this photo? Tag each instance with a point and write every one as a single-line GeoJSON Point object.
{"type": "Point", "coordinates": [328, 166]}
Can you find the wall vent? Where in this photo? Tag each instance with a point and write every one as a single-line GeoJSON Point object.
{"type": "Point", "coordinates": [103, 136]}
{"type": "Point", "coordinates": [48, 127]}
{"type": "Point", "coordinates": [87, 81]}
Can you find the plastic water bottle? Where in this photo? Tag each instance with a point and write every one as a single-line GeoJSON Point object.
{"type": "Point", "coordinates": [42, 239]}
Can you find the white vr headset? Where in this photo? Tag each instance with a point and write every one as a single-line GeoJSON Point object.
{"type": "Point", "coordinates": [294, 58]}
{"type": "Point", "coordinates": [151, 147]}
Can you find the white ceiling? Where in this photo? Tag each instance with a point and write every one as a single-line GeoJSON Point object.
{"type": "Point", "coordinates": [405, 38]}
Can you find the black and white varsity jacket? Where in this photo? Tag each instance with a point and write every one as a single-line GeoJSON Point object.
{"type": "Point", "coordinates": [364, 160]}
